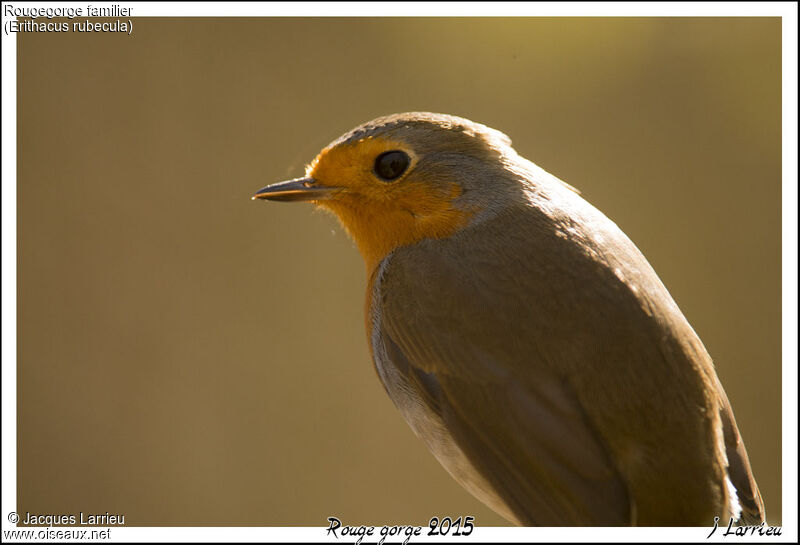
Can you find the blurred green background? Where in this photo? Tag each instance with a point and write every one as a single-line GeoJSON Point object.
{"type": "Point", "coordinates": [190, 357]}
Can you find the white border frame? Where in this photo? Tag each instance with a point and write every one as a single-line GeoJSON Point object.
{"type": "Point", "coordinates": [786, 10]}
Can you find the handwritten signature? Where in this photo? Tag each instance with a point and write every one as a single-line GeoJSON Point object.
{"type": "Point", "coordinates": [742, 531]}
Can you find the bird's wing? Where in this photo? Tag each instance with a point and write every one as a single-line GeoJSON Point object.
{"type": "Point", "coordinates": [739, 466]}
{"type": "Point", "coordinates": [530, 439]}
{"type": "Point", "coordinates": [564, 369]}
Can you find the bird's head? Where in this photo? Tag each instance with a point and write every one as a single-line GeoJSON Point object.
{"type": "Point", "coordinates": [402, 178]}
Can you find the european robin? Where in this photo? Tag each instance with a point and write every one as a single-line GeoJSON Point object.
{"type": "Point", "coordinates": [524, 337]}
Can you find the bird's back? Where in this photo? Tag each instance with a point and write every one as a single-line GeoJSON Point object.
{"type": "Point", "coordinates": [523, 337]}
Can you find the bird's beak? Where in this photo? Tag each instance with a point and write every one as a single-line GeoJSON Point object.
{"type": "Point", "coordinates": [299, 189]}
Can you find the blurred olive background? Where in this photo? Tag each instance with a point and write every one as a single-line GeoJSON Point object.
{"type": "Point", "coordinates": [190, 357]}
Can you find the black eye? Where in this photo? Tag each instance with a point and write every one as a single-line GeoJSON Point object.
{"type": "Point", "coordinates": [391, 164]}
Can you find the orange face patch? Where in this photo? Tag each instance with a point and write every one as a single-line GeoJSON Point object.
{"type": "Point", "coordinates": [379, 215]}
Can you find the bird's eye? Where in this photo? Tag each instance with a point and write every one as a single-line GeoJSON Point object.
{"type": "Point", "coordinates": [391, 165]}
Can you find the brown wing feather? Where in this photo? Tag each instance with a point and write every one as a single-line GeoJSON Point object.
{"type": "Point", "coordinates": [540, 454]}
{"type": "Point", "coordinates": [739, 467]}
{"type": "Point", "coordinates": [529, 438]}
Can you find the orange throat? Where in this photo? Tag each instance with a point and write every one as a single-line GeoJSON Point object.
{"type": "Point", "coordinates": [379, 227]}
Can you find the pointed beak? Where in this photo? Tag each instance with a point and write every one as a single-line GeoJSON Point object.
{"type": "Point", "coordinates": [299, 189]}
